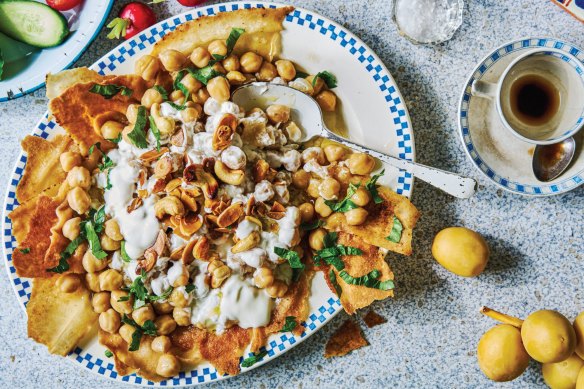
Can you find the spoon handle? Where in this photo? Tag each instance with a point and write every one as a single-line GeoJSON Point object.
{"type": "Point", "coordinates": [453, 184]}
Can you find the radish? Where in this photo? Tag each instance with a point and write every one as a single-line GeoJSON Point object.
{"type": "Point", "coordinates": [132, 19]}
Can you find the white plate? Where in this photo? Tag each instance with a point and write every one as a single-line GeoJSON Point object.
{"type": "Point", "coordinates": [91, 16]}
{"type": "Point", "coordinates": [373, 109]}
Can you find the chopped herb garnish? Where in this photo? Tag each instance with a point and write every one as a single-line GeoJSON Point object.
{"type": "Point", "coordinates": [330, 239]}
{"type": "Point", "coordinates": [155, 132]}
{"type": "Point", "coordinates": [300, 74]}
{"type": "Point", "coordinates": [289, 325]}
{"type": "Point", "coordinates": [332, 252]}
{"type": "Point", "coordinates": [250, 361]}
{"type": "Point", "coordinates": [371, 186]}
{"type": "Point", "coordinates": [109, 91]}
{"type": "Point", "coordinates": [313, 225]}
{"type": "Point", "coordinates": [160, 89]}
{"type": "Point", "coordinates": [125, 256]}
{"type": "Point", "coordinates": [140, 293]}
{"type": "Point", "coordinates": [63, 265]}
{"type": "Point", "coordinates": [137, 135]}
{"type": "Point", "coordinates": [189, 288]}
{"type": "Point", "coordinates": [205, 74]}
{"type": "Point", "coordinates": [346, 204]}
{"type": "Point", "coordinates": [230, 43]}
{"type": "Point", "coordinates": [108, 354]}
{"type": "Point", "coordinates": [149, 328]}
{"type": "Point", "coordinates": [178, 85]}
{"type": "Point", "coordinates": [329, 79]}
{"type": "Point", "coordinates": [369, 280]}
{"type": "Point", "coordinates": [396, 231]}
{"type": "Point", "coordinates": [117, 139]}
{"type": "Point", "coordinates": [291, 256]}
{"type": "Point", "coordinates": [334, 282]}
{"type": "Point", "coordinates": [24, 251]}
{"type": "Point", "coordinates": [107, 163]}
{"type": "Point", "coordinates": [93, 240]}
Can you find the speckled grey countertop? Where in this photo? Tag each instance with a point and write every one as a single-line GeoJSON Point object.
{"type": "Point", "coordinates": [433, 327]}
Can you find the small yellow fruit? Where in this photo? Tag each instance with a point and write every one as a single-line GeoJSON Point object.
{"type": "Point", "coordinates": [461, 251]}
{"type": "Point", "coordinates": [548, 336]}
{"type": "Point", "coordinates": [579, 329]}
{"type": "Point", "coordinates": [562, 375]}
{"type": "Point", "coordinates": [501, 354]}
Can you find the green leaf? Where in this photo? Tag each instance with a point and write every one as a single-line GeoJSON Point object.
{"type": "Point", "coordinates": [368, 280]}
{"type": "Point", "coordinates": [230, 43]}
{"type": "Point", "coordinates": [291, 256]}
{"type": "Point", "coordinates": [205, 74]}
{"type": "Point", "coordinates": [155, 132]}
{"type": "Point", "coordinates": [63, 265]}
{"type": "Point", "coordinates": [329, 79]}
{"type": "Point", "coordinates": [346, 204]}
{"type": "Point", "coordinates": [396, 231]}
{"type": "Point", "coordinates": [330, 239]}
{"type": "Point", "coordinates": [118, 139]}
{"type": "Point", "coordinates": [189, 288]}
{"type": "Point", "coordinates": [289, 325]}
{"type": "Point", "coordinates": [1, 64]}
{"type": "Point", "coordinates": [107, 163]}
{"type": "Point", "coordinates": [109, 91]}
{"type": "Point", "coordinates": [334, 282]}
{"type": "Point", "coordinates": [119, 27]}
{"type": "Point", "coordinates": [160, 89]}
{"type": "Point", "coordinates": [348, 250]}
{"type": "Point", "coordinates": [332, 252]}
{"type": "Point", "coordinates": [148, 328]}
{"type": "Point", "coordinates": [99, 219]}
{"type": "Point", "coordinates": [125, 256]}
{"type": "Point", "coordinates": [248, 362]}
{"type": "Point", "coordinates": [313, 225]}
{"type": "Point", "coordinates": [108, 354]}
{"type": "Point", "coordinates": [300, 74]}
{"type": "Point", "coordinates": [137, 135]}
{"type": "Point", "coordinates": [371, 186]}
{"type": "Point", "coordinates": [24, 251]}
{"type": "Point", "coordinates": [93, 240]}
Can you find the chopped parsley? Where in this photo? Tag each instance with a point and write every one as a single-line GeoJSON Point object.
{"type": "Point", "coordinates": [230, 43]}
{"type": "Point", "coordinates": [109, 91]}
{"type": "Point", "coordinates": [369, 280]}
{"type": "Point", "coordinates": [329, 79]}
{"type": "Point", "coordinates": [346, 204]}
{"type": "Point", "coordinates": [137, 135]}
{"type": "Point", "coordinates": [93, 239]}
{"type": "Point", "coordinates": [250, 361]}
{"type": "Point", "coordinates": [107, 163]}
{"type": "Point", "coordinates": [371, 186]}
{"type": "Point", "coordinates": [148, 328]}
{"type": "Point", "coordinates": [205, 74]}
{"type": "Point", "coordinates": [140, 293]}
{"type": "Point", "coordinates": [289, 325]}
{"type": "Point", "coordinates": [117, 139]}
{"type": "Point", "coordinates": [160, 89]}
{"type": "Point", "coordinates": [108, 354]}
{"type": "Point", "coordinates": [125, 256]}
{"type": "Point", "coordinates": [63, 265]}
{"type": "Point", "coordinates": [313, 225]}
{"type": "Point", "coordinates": [332, 252]}
{"type": "Point", "coordinates": [189, 288]}
{"type": "Point", "coordinates": [396, 231]}
{"type": "Point", "coordinates": [24, 251]}
{"type": "Point", "coordinates": [334, 282]}
{"type": "Point", "coordinates": [178, 85]}
{"type": "Point", "coordinates": [300, 74]}
{"type": "Point", "coordinates": [291, 256]}
{"type": "Point", "coordinates": [155, 132]}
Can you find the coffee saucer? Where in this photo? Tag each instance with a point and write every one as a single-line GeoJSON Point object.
{"type": "Point", "coordinates": [498, 154]}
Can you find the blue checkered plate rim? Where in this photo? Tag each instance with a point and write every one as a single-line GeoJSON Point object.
{"type": "Point", "coordinates": [550, 189]}
{"type": "Point", "coordinates": [330, 305]}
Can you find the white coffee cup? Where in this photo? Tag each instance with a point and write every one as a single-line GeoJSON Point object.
{"type": "Point", "coordinates": [560, 70]}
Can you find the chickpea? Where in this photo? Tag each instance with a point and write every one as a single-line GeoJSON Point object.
{"type": "Point", "coordinates": [327, 100]}
{"type": "Point", "coordinates": [132, 113]}
{"type": "Point", "coordinates": [162, 307]}
{"type": "Point", "coordinates": [217, 47]}
{"type": "Point", "coordinates": [316, 85]}
{"type": "Point", "coordinates": [161, 344]}
{"type": "Point", "coordinates": [178, 299]}
{"type": "Point", "coordinates": [121, 306]}
{"type": "Point", "coordinates": [321, 208]}
{"type": "Point", "coordinates": [286, 70]}
{"type": "Point", "coordinates": [201, 96]}
{"type": "Point", "coordinates": [356, 217]}
{"type": "Point", "coordinates": [68, 283]}
{"type": "Point", "coordinates": [111, 129]}
{"type": "Point", "coordinates": [235, 78]}
{"type": "Point", "coordinates": [200, 57]}
{"type": "Point", "coordinates": [101, 302]}
{"type": "Point", "coordinates": [151, 96]}
{"type": "Point", "coordinates": [329, 188]}
{"type": "Point", "coordinates": [182, 316]}
{"type": "Point", "coordinates": [191, 113]}
{"type": "Point", "coordinates": [267, 72]}
{"type": "Point", "coordinates": [219, 89]}
{"type": "Point", "coordinates": [71, 228]}
{"type": "Point", "coordinates": [312, 189]}
{"type": "Point", "coordinates": [314, 152]}
{"type": "Point", "coordinates": [147, 67]}
{"type": "Point", "coordinates": [143, 314]}
{"type": "Point", "coordinates": [277, 290]}
{"type": "Point", "coordinates": [360, 164]}
{"type": "Point", "coordinates": [335, 221]}
{"type": "Point", "coordinates": [191, 83]}
{"type": "Point", "coordinates": [301, 179]}
{"type": "Point", "coordinates": [108, 244]}
{"type": "Point", "coordinates": [79, 176]}
{"type": "Point", "coordinates": [334, 153]}
{"type": "Point", "coordinates": [263, 277]}
{"type": "Point", "coordinates": [165, 324]}
{"type": "Point", "coordinates": [112, 229]}
{"type": "Point", "coordinates": [172, 60]}
{"type": "Point", "coordinates": [177, 97]}
{"type": "Point", "coordinates": [278, 113]}
{"type": "Point", "coordinates": [91, 264]}
{"type": "Point", "coordinates": [316, 239]}
{"type": "Point", "coordinates": [250, 62]}
{"type": "Point", "coordinates": [69, 160]}
{"type": "Point", "coordinates": [110, 321]}
{"type": "Point", "coordinates": [79, 200]}
{"type": "Point", "coordinates": [126, 332]}
{"type": "Point", "coordinates": [219, 68]}
{"type": "Point", "coordinates": [306, 211]}
{"type": "Point", "coordinates": [231, 63]}
{"type": "Point", "coordinates": [168, 365]}
{"type": "Point", "coordinates": [92, 281]}
{"type": "Point", "coordinates": [110, 280]}
{"type": "Point", "coordinates": [361, 197]}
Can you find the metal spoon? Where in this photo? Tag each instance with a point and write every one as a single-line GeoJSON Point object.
{"type": "Point", "coordinates": [307, 112]}
{"type": "Point", "coordinates": [550, 161]}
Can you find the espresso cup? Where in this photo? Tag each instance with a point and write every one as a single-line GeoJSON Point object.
{"type": "Point", "coordinates": [540, 96]}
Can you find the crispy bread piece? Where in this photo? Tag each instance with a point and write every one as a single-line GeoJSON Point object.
{"type": "Point", "coordinates": [57, 319]}
{"type": "Point", "coordinates": [77, 109]}
{"type": "Point", "coordinates": [58, 83]}
{"type": "Point", "coordinates": [347, 337]}
{"type": "Point", "coordinates": [373, 319]}
{"type": "Point", "coordinates": [380, 222]}
{"type": "Point", "coordinates": [43, 168]}
{"type": "Point", "coordinates": [21, 217]}
{"type": "Point", "coordinates": [355, 297]}
{"type": "Point", "coordinates": [262, 31]}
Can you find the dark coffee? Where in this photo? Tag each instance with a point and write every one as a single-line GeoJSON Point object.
{"type": "Point", "coordinates": [534, 99]}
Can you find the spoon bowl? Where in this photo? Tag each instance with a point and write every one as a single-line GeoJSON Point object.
{"type": "Point", "coordinates": [307, 113]}
{"type": "Point", "coordinates": [550, 161]}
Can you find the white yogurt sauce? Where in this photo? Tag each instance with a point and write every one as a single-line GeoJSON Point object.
{"type": "Point", "coordinates": [245, 304]}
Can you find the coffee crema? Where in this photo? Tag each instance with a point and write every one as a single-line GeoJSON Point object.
{"type": "Point", "coordinates": [535, 100]}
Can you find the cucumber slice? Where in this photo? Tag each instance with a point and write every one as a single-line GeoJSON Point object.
{"type": "Point", "coordinates": [34, 23]}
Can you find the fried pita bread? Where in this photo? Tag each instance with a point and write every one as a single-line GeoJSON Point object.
{"type": "Point", "coordinates": [262, 32]}
{"type": "Point", "coordinates": [355, 297]}
{"type": "Point", "coordinates": [77, 109]}
{"type": "Point", "coordinates": [58, 83]}
{"type": "Point", "coordinates": [347, 337]}
{"type": "Point", "coordinates": [21, 217]}
{"type": "Point", "coordinates": [380, 222]}
{"type": "Point", "coordinates": [373, 319]}
{"type": "Point", "coordinates": [57, 319]}
{"type": "Point", "coordinates": [43, 167]}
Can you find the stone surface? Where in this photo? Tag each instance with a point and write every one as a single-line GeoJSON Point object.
{"type": "Point", "coordinates": [433, 323]}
